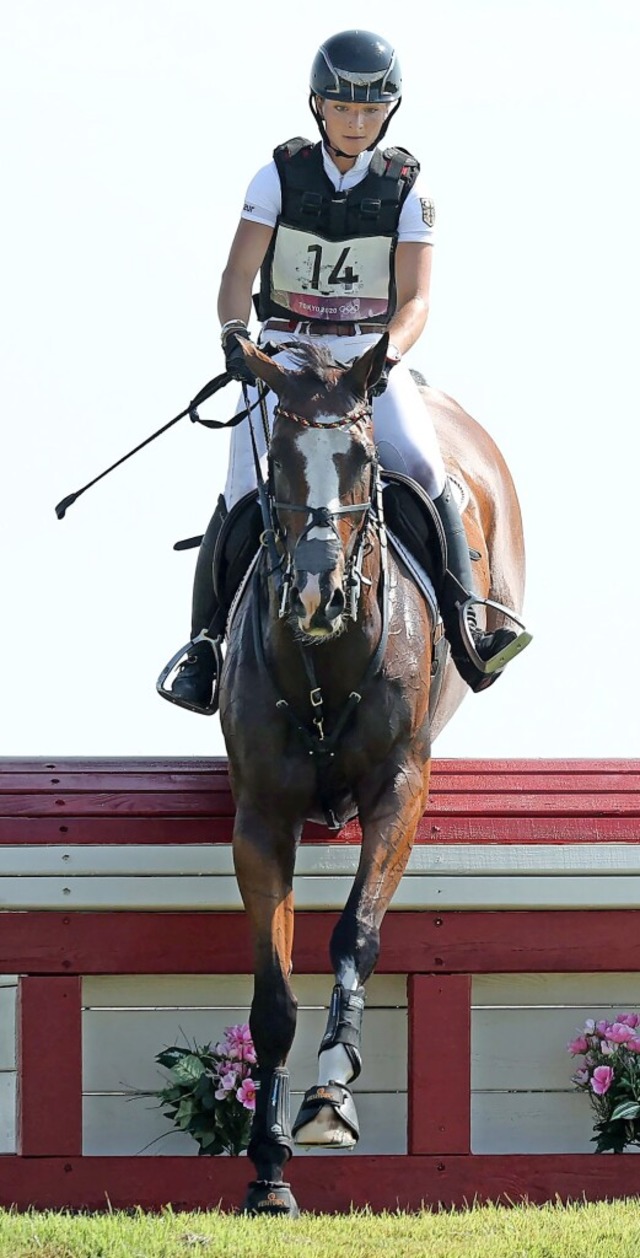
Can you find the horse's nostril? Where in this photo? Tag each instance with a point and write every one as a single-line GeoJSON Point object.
{"type": "Point", "coordinates": [297, 605]}
{"type": "Point", "coordinates": [335, 606]}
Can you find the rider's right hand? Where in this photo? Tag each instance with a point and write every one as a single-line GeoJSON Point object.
{"type": "Point", "coordinates": [235, 361]}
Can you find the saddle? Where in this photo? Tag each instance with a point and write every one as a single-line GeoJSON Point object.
{"type": "Point", "coordinates": [415, 535]}
{"type": "Point", "coordinates": [410, 516]}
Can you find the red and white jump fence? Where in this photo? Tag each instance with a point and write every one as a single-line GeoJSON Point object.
{"type": "Point", "coordinates": [121, 925]}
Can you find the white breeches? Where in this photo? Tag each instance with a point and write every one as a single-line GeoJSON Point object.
{"type": "Point", "coordinates": [402, 426]}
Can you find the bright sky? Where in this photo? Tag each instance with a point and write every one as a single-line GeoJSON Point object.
{"type": "Point", "coordinates": [130, 129]}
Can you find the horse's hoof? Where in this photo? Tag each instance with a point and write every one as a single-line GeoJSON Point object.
{"type": "Point", "coordinates": [327, 1117]}
{"type": "Point", "coordinates": [265, 1197]}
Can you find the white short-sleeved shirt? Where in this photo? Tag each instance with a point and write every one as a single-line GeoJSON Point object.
{"type": "Point", "coordinates": [263, 201]}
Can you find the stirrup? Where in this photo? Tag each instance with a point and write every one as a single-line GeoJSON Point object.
{"type": "Point", "coordinates": [498, 661]}
{"type": "Point", "coordinates": [205, 709]}
{"type": "Point", "coordinates": [339, 1096]}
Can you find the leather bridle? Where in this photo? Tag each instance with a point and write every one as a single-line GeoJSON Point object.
{"type": "Point", "coordinates": [325, 517]}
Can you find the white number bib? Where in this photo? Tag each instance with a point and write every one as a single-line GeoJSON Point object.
{"type": "Point", "coordinates": [328, 279]}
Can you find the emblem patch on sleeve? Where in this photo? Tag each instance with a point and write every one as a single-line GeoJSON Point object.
{"type": "Point", "coordinates": [428, 211]}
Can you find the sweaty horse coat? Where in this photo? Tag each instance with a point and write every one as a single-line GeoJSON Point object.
{"type": "Point", "coordinates": [322, 456]}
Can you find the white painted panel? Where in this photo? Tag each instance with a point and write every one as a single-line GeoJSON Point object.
{"type": "Point", "coordinates": [8, 1028]}
{"type": "Point", "coordinates": [230, 990]}
{"type": "Point", "coordinates": [617, 991]}
{"type": "Point", "coordinates": [315, 859]}
{"type": "Point", "coordinates": [115, 1126]}
{"type": "Point", "coordinates": [557, 859]}
{"type": "Point", "coordinates": [522, 1048]}
{"type": "Point", "coordinates": [221, 893]}
{"type": "Point", "coordinates": [8, 980]}
{"type": "Point", "coordinates": [119, 1047]}
{"type": "Point", "coordinates": [531, 1123]}
{"type": "Point", "coordinates": [8, 1112]}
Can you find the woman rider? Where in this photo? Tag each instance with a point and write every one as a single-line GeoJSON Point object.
{"type": "Point", "coordinates": [342, 236]}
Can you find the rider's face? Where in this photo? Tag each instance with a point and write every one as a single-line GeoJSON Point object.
{"type": "Point", "coordinates": [351, 125]}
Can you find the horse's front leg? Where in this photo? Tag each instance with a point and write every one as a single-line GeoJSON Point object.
{"type": "Point", "coordinates": [389, 819]}
{"type": "Point", "coordinates": [264, 857]}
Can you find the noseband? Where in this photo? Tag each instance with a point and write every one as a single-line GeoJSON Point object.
{"type": "Point", "coordinates": [325, 517]}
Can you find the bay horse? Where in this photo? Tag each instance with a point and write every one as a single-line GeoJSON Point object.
{"type": "Point", "coordinates": [324, 705]}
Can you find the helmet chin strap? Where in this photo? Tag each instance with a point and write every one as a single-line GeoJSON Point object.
{"type": "Point", "coordinates": [323, 131]}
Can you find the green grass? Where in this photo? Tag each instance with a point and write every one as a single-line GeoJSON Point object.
{"type": "Point", "coordinates": [601, 1230]}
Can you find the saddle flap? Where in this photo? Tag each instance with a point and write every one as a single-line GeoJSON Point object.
{"type": "Point", "coordinates": [237, 543]}
{"type": "Point", "coordinates": [411, 515]}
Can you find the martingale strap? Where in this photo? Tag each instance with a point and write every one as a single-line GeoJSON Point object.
{"type": "Point", "coordinates": [320, 745]}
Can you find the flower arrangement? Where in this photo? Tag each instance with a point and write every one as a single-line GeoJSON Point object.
{"type": "Point", "coordinates": [211, 1093]}
{"type": "Point", "coordinates": [610, 1075]}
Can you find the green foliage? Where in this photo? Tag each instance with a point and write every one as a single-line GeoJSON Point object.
{"type": "Point", "coordinates": [209, 1091]}
{"type": "Point", "coordinates": [609, 1073]}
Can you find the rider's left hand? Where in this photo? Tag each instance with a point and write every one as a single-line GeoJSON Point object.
{"type": "Point", "coordinates": [382, 381]}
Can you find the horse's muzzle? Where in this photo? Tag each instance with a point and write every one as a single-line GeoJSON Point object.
{"type": "Point", "coordinates": [318, 603]}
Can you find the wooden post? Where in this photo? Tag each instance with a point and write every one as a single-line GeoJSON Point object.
{"type": "Point", "coordinates": [439, 1063]}
{"type": "Point", "coordinates": [49, 1067]}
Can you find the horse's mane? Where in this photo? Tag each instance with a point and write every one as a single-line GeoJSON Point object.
{"type": "Point", "coordinates": [316, 359]}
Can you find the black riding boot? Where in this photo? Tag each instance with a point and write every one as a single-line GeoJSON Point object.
{"type": "Point", "coordinates": [493, 650]}
{"type": "Point", "coordinates": [195, 684]}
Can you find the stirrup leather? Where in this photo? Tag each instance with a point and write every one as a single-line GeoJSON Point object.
{"type": "Point", "coordinates": [508, 652]}
{"type": "Point", "coordinates": [181, 656]}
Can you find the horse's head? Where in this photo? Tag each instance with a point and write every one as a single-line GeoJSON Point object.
{"type": "Point", "coordinates": [322, 472]}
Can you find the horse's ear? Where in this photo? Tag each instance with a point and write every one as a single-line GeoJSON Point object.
{"type": "Point", "coordinates": [262, 366]}
{"type": "Point", "coordinates": [367, 369]}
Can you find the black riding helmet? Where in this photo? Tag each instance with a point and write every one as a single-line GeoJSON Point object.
{"type": "Point", "coordinates": [355, 66]}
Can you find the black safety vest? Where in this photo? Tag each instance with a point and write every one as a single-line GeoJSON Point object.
{"type": "Point", "coordinates": [311, 203]}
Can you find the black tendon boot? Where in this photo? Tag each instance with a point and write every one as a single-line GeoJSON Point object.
{"type": "Point", "coordinates": [195, 685]}
{"type": "Point", "coordinates": [271, 1147]}
{"type": "Point", "coordinates": [479, 656]}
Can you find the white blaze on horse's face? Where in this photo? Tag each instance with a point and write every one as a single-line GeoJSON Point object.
{"type": "Point", "coordinates": [318, 448]}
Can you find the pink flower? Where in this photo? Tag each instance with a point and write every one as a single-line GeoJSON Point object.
{"type": "Point", "coordinates": [238, 1043]}
{"type": "Point", "coordinates": [634, 1045]}
{"type": "Point", "coordinates": [581, 1076]}
{"type": "Point", "coordinates": [631, 1019]}
{"type": "Point", "coordinates": [602, 1079]}
{"type": "Point", "coordinates": [602, 1027]}
{"type": "Point", "coordinates": [246, 1094]}
{"type": "Point", "coordinates": [620, 1033]}
{"type": "Point", "coordinates": [575, 1047]}
{"type": "Point", "coordinates": [227, 1084]}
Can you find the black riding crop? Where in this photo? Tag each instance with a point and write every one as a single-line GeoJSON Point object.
{"type": "Point", "coordinates": [191, 410]}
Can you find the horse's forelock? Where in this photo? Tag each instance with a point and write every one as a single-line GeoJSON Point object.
{"type": "Point", "coordinates": [315, 359]}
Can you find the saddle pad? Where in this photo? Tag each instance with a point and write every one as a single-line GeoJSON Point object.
{"type": "Point", "coordinates": [237, 598]}
{"type": "Point", "coordinates": [420, 576]}
{"type": "Point", "coordinates": [460, 491]}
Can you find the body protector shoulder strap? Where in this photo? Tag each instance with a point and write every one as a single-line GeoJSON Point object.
{"type": "Point", "coordinates": [311, 204]}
